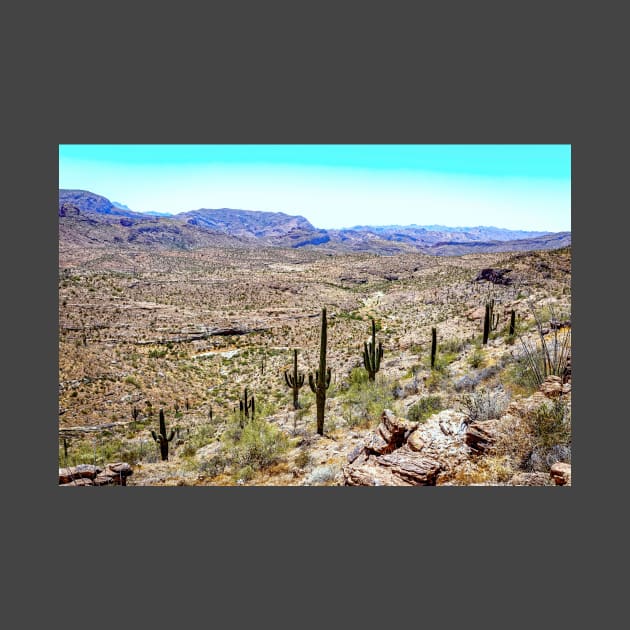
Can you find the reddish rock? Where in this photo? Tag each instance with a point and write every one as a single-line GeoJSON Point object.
{"type": "Point", "coordinates": [82, 471]}
{"type": "Point", "coordinates": [83, 481]}
{"type": "Point", "coordinates": [561, 474]}
{"type": "Point", "coordinates": [480, 436]}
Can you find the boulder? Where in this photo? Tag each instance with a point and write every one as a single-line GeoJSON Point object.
{"type": "Point", "coordinates": [415, 442]}
{"type": "Point", "coordinates": [82, 471]}
{"type": "Point", "coordinates": [552, 386]}
{"type": "Point", "coordinates": [561, 474]}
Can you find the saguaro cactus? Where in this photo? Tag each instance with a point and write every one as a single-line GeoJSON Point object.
{"type": "Point", "coordinates": [246, 407]}
{"type": "Point", "coordinates": [320, 382]}
{"type": "Point", "coordinates": [433, 346]}
{"type": "Point", "coordinates": [490, 321]}
{"type": "Point", "coordinates": [162, 439]}
{"type": "Point", "coordinates": [372, 354]}
{"type": "Point", "coordinates": [295, 380]}
{"type": "Point", "coordinates": [512, 329]}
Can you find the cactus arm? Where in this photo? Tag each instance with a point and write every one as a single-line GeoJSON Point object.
{"type": "Point", "coordinates": [155, 437]}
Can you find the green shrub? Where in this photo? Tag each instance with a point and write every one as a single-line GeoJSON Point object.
{"type": "Point", "coordinates": [425, 407]}
{"type": "Point", "coordinates": [364, 400]}
{"type": "Point", "coordinates": [258, 444]}
{"type": "Point", "coordinates": [550, 423]}
{"type": "Point", "coordinates": [477, 358]}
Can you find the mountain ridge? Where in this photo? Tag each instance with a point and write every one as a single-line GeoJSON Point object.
{"type": "Point", "coordinates": [88, 218]}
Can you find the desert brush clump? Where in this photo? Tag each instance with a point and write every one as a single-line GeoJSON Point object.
{"type": "Point", "coordinates": [424, 408]}
{"type": "Point", "coordinates": [482, 405]}
{"type": "Point", "coordinates": [363, 401]}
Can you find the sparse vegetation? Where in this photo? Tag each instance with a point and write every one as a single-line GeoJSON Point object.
{"type": "Point", "coordinates": [187, 330]}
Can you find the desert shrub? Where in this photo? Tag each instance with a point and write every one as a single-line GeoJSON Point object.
{"type": "Point", "coordinates": [551, 424]}
{"type": "Point", "coordinates": [322, 475]}
{"type": "Point", "coordinates": [258, 444]}
{"type": "Point", "coordinates": [303, 458]}
{"type": "Point", "coordinates": [364, 400]}
{"type": "Point", "coordinates": [483, 405]}
{"type": "Point", "coordinates": [425, 407]}
{"type": "Point", "coordinates": [452, 346]}
{"type": "Point", "coordinates": [490, 470]}
{"type": "Point", "coordinates": [132, 380]}
{"type": "Point", "coordinates": [477, 358]}
{"type": "Point", "coordinates": [158, 353]}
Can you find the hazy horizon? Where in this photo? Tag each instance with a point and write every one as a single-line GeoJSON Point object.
{"type": "Point", "coordinates": [516, 187]}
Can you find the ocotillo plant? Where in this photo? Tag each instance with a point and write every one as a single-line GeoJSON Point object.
{"type": "Point", "coordinates": [246, 407]}
{"type": "Point", "coordinates": [372, 354]}
{"type": "Point", "coordinates": [433, 346]}
{"type": "Point", "coordinates": [162, 439]}
{"type": "Point", "coordinates": [321, 381]}
{"type": "Point", "coordinates": [294, 381]}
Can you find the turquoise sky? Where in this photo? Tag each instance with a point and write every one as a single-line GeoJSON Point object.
{"type": "Point", "coordinates": [510, 186]}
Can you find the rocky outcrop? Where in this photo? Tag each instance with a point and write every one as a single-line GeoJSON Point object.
{"type": "Point", "coordinates": [496, 276]}
{"type": "Point", "coordinates": [88, 475]}
{"type": "Point", "coordinates": [480, 435]}
{"type": "Point", "coordinates": [392, 456]}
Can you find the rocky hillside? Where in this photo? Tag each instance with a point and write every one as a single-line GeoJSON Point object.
{"type": "Point", "coordinates": [86, 218]}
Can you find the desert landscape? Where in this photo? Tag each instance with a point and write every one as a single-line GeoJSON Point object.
{"type": "Point", "coordinates": [190, 352]}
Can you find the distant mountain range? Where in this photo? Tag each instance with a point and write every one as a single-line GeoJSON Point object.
{"type": "Point", "coordinates": [87, 218]}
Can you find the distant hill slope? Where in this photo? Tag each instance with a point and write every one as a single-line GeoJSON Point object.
{"type": "Point", "coordinates": [86, 218]}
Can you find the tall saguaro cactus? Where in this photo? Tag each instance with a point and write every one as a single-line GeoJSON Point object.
{"type": "Point", "coordinates": [294, 381]}
{"type": "Point", "coordinates": [433, 346]}
{"type": "Point", "coordinates": [372, 354]}
{"type": "Point", "coordinates": [161, 438]}
{"type": "Point", "coordinates": [321, 381]}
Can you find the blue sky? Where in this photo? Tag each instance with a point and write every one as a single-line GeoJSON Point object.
{"type": "Point", "coordinates": [510, 186]}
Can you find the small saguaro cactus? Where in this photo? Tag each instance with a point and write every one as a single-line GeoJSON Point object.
{"type": "Point", "coordinates": [490, 321]}
{"type": "Point", "coordinates": [246, 407]}
{"type": "Point", "coordinates": [210, 413]}
{"type": "Point", "coordinates": [433, 346]}
{"type": "Point", "coordinates": [320, 382]}
{"type": "Point", "coordinates": [162, 438]}
{"type": "Point", "coordinates": [512, 329]}
{"type": "Point", "coordinates": [295, 380]}
{"type": "Point", "coordinates": [372, 354]}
